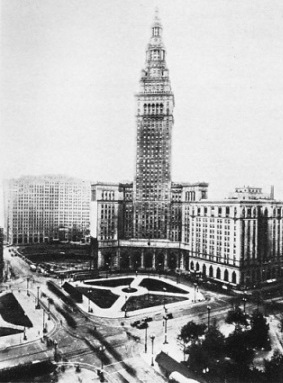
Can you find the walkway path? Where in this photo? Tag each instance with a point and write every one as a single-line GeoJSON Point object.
{"type": "Point", "coordinates": [115, 311]}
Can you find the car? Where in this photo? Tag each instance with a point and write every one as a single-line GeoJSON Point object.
{"type": "Point", "coordinates": [142, 324]}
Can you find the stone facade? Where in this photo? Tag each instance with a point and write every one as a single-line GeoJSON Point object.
{"type": "Point", "coordinates": [44, 208]}
{"type": "Point", "coordinates": [156, 224]}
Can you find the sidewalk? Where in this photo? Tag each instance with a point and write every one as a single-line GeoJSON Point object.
{"type": "Point", "coordinates": [38, 317]}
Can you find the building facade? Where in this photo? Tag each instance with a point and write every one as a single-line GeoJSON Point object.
{"type": "Point", "coordinates": [153, 223]}
{"type": "Point", "coordinates": [236, 241]}
{"type": "Point", "coordinates": [46, 208]}
{"type": "Point", "coordinates": [1, 253]}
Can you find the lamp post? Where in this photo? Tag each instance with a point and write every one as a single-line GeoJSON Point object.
{"type": "Point", "coordinates": [27, 286]}
{"type": "Point", "coordinates": [165, 329]}
{"type": "Point", "coordinates": [125, 306]}
{"type": "Point", "coordinates": [101, 350]}
{"type": "Point", "coordinates": [160, 264]}
{"type": "Point", "coordinates": [208, 316]}
{"type": "Point", "coordinates": [195, 291]}
{"type": "Point", "coordinates": [89, 291]}
{"type": "Point", "coordinates": [25, 335]}
{"type": "Point", "coordinates": [48, 299]}
{"type": "Point", "coordinates": [145, 337]}
{"type": "Point", "coordinates": [55, 349]}
{"type": "Point", "coordinates": [37, 305]}
{"type": "Point", "coordinates": [164, 291]}
{"type": "Point", "coordinates": [244, 302]}
{"type": "Point", "coordinates": [152, 337]}
{"type": "Point", "coordinates": [43, 321]}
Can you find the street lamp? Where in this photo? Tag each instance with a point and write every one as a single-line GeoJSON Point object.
{"type": "Point", "coordinates": [164, 291]}
{"type": "Point", "coordinates": [145, 336]}
{"type": "Point", "coordinates": [208, 316]}
{"type": "Point", "coordinates": [89, 291]}
{"type": "Point", "coordinates": [195, 291]}
{"type": "Point", "coordinates": [165, 329]}
{"type": "Point", "coordinates": [27, 286]}
{"type": "Point", "coordinates": [43, 321]}
{"type": "Point", "coordinates": [25, 335]}
{"type": "Point", "coordinates": [38, 305]}
{"type": "Point", "coordinates": [48, 299]}
{"type": "Point", "coordinates": [152, 337]}
{"type": "Point", "coordinates": [101, 350]}
{"type": "Point", "coordinates": [126, 305]}
{"type": "Point", "coordinates": [160, 264]}
{"type": "Point", "coordinates": [244, 302]}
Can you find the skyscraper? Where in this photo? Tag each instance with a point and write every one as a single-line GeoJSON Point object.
{"type": "Point", "coordinates": [45, 208]}
{"type": "Point", "coordinates": [145, 217]}
{"type": "Point", "coordinates": [155, 104]}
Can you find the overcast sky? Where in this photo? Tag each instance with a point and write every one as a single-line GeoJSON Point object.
{"type": "Point", "coordinates": [70, 69]}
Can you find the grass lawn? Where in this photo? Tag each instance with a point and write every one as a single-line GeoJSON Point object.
{"type": "Point", "coordinates": [102, 298]}
{"type": "Point", "coordinates": [149, 300]}
{"type": "Point", "coordinates": [112, 282]}
{"type": "Point", "coordinates": [12, 312]}
{"type": "Point", "coordinates": [5, 331]}
{"type": "Point", "coordinates": [156, 285]}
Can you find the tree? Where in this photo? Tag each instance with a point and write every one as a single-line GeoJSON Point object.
{"type": "Point", "coordinates": [274, 367]}
{"type": "Point", "coordinates": [258, 335]}
{"type": "Point", "coordinates": [236, 316]}
{"type": "Point", "coordinates": [214, 343]}
{"type": "Point", "coordinates": [199, 358]}
{"type": "Point", "coordinates": [238, 347]}
{"type": "Point", "coordinates": [191, 332]}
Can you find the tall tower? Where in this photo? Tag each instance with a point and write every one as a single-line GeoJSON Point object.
{"type": "Point", "coordinates": [155, 103]}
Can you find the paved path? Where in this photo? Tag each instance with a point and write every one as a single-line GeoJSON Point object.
{"type": "Point", "coordinates": [115, 311]}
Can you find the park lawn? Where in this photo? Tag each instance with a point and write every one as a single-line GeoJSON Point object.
{"type": "Point", "coordinates": [12, 312]}
{"type": "Point", "coordinates": [5, 331]}
{"type": "Point", "coordinates": [102, 298]}
{"type": "Point", "coordinates": [111, 282]}
{"type": "Point", "coordinates": [150, 300]}
{"type": "Point", "coordinates": [156, 285]}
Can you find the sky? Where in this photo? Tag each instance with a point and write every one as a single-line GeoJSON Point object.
{"type": "Point", "coordinates": [70, 69]}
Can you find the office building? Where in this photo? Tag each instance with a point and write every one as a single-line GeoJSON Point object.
{"type": "Point", "coordinates": [46, 208]}
{"type": "Point", "coordinates": [156, 224]}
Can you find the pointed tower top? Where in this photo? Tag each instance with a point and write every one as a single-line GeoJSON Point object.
{"type": "Point", "coordinates": [156, 21]}
{"type": "Point", "coordinates": [156, 17]}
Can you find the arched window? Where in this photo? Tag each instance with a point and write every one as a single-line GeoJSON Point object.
{"type": "Point", "coordinates": [161, 108]}
{"type": "Point", "coordinates": [197, 266]}
{"type": "Point", "coordinates": [234, 277]}
{"type": "Point", "coordinates": [192, 265]}
{"type": "Point", "coordinates": [218, 273]}
{"type": "Point", "coordinates": [211, 272]}
{"type": "Point", "coordinates": [226, 275]}
{"type": "Point", "coordinates": [204, 270]}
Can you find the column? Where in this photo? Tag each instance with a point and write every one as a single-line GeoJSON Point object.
{"type": "Point", "coordinates": [142, 258]}
{"type": "Point", "coordinates": [165, 259]}
{"type": "Point", "coordinates": [153, 259]}
{"type": "Point", "coordinates": [182, 265]}
{"type": "Point", "coordinates": [100, 260]}
{"type": "Point", "coordinates": [131, 262]}
{"type": "Point", "coordinates": [117, 258]}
